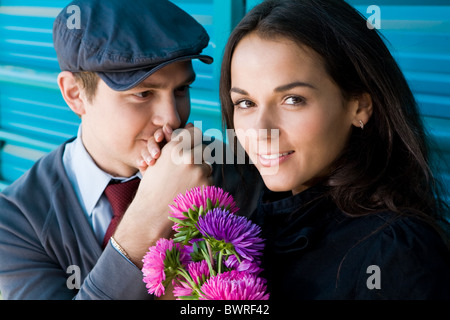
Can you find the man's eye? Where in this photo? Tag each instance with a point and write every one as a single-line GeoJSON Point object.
{"type": "Point", "coordinates": [182, 91]}
{"type": "Point", "coordinates": [143, 95]}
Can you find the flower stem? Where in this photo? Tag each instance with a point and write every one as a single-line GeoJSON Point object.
{"type": "Point", "coordinates": [219, 262]}
{"type": "Point", "coordinates": [188, 278]}
{"type": "Point", "coordinates": [210, 253]}
{"type": "Point", "coordinates": [207, 254]}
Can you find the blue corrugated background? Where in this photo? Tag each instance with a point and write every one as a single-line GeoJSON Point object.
{"type": "Point", "coordinates": [34, 118]}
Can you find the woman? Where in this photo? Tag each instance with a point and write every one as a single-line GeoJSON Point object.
{"type": "Point", "coordinates": [326, 116]}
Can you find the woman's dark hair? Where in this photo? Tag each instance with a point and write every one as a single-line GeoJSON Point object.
{"type": "Point", "coordinates": [386, 166]}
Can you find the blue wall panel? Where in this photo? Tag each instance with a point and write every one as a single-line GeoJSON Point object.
{"type": "Point", "coordinates": [418, 35]}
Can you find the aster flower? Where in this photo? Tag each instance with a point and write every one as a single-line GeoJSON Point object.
{"type": "Point", "coordinates": [161, 263]}
{"type": "Point", "coordinates": [189, 283]}
{"type": "Point", "coordinates": [234, 285]}
{"type": "Point", "coordinates": [198, 197]}
{"type": "Point", "coordinates": [245, 265]}
{"type": "Point", "coordinates": [231, 233]}
{"type": "Point", "coordinates": [195, 203]}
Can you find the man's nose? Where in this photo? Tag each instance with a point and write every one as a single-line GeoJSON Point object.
{"type": "Point", "coordinates": [166, 112]}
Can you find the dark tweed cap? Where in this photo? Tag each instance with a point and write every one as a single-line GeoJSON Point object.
{"type": "Point", "coordinates": [125, 41]}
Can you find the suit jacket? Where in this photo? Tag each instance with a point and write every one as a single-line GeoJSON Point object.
{"type": "Point", "coordinates": [43, 231]}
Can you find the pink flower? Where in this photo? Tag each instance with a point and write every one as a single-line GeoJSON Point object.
{"type": "Point", "coordinates": [198, 273]}
{"type": "Point", "coordinates": [234, 285]}
{"type": "Point", "coordinates": [181, 289]}
{"type": "Point", "coordinates": [198, 196]}
{"type": "Point", "coordinates": [161, 263]}
{"type": "Point", "coordinates": [220, 199]}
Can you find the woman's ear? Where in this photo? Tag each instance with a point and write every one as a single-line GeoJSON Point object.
{"type": "Point", "coordinates": [363, 111]}
{"type": "Point", "coordinates": [72, 92]}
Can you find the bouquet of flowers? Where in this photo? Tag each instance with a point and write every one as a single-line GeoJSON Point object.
{"type": "Point", "coordinates": [214, 255]}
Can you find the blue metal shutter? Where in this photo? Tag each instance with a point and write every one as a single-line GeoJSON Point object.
{"type": "Point", "coordinates": [34, 118]}
{"type": "Point", "coordinates": [418, 35]}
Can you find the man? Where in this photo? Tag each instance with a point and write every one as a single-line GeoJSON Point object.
{"type": "Point", "coordinates": [126, 72]}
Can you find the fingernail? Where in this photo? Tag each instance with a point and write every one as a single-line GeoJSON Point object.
{"type": "Point", "coordinates": [154, 152]}
{"type": "Point", "coordinates": [169, 129]}
{"type": "Point", "coordinates": [159, 135]}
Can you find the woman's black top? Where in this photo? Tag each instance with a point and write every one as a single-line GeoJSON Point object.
{"type": "Point", "coordinates": [315, 251]}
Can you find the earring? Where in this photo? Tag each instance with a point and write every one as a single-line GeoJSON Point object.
{"type": "Point", "coordinates": [361, 124]}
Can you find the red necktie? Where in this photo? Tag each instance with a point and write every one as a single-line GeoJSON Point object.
{"type": "Point", "coordinates": [120, 196]}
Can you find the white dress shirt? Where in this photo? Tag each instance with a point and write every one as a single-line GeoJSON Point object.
{"type": "Point", "coordinates": [89, 183]}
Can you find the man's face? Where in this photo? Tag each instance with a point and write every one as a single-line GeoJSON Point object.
{"type": "Point", "coordinates": [117, 124]}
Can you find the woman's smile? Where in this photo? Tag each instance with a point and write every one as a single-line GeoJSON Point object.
{"type": "Point", "coordinates": [274, 159]}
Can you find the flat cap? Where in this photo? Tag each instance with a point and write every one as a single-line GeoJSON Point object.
{"type": "Point", "coordinates": [125, 41]}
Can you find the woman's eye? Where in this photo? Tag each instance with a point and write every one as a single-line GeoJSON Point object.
{"type": "Point", "coordinates": [142, 95]}
{"type": "Point", "coordinates": [294, 100]}
{"type": "Point", "coordinates": [244, 104]}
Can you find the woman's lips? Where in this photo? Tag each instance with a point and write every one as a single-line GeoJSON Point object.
{"type": "Point", "coordinates": [273, 159]}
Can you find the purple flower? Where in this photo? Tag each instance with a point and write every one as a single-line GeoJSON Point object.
{"type": "Point", "coordinates": [234, 285]}
{"type": "Point", "coordinates": [245, 265]}
{"type": "Point", "coordinates": [232, 232]}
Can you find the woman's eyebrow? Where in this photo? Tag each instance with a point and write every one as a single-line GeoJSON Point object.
{"type": "Point", "coordinates": [282, 88]}
{"type": "Point", "coordinates": [293, 85]}
{"type": "Point", "coordinates": [240, 91]}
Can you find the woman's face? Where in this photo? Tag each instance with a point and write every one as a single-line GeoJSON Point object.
{"type": "Point", "coordinates": [277, 84]}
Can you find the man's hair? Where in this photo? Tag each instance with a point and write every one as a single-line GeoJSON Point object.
{"type": "Point", "coordinates": [89, 81]}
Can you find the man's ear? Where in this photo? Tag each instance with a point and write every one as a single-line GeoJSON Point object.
{"type": "Point", "coordinates": [363, 111]}
{"type": "Point", "coordinates": [72, 92]}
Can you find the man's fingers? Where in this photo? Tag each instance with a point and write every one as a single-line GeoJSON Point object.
{"type": "Point", "coordinates": [147, 156]}
{"type": "Point", "coordinates": [167, 130]}
{"type": "Point", "coordinates": [153, 150]}
{"type": "Point", "coordinates": [159, 135]}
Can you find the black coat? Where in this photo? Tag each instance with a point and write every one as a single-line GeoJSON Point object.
{"type": "Point", "coordinates": [314, 251]}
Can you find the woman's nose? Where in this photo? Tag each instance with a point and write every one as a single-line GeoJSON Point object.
{"type": "Point", "coordinates": [265, 125]}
